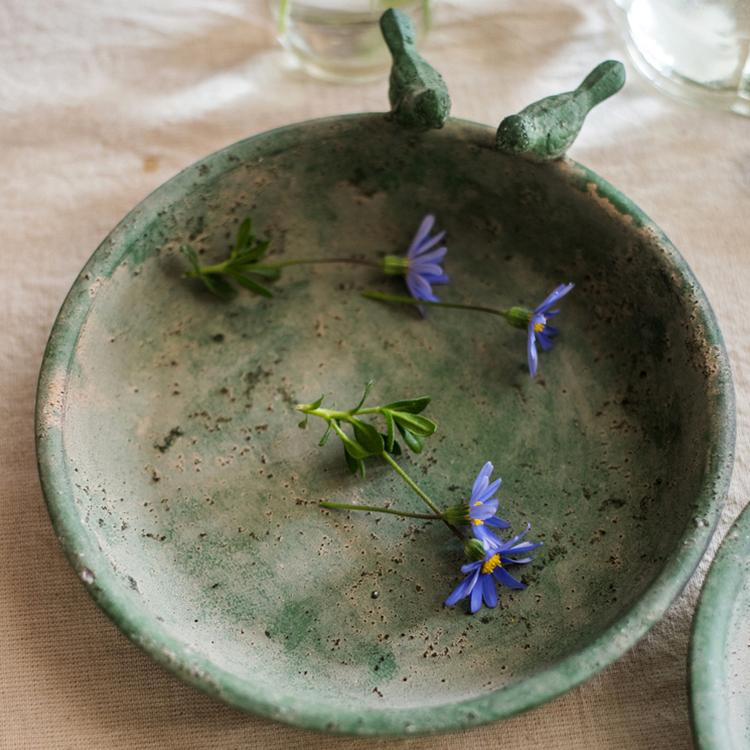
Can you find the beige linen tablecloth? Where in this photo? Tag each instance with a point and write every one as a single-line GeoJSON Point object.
{"type": "Point", "coordinates": [100, 102]}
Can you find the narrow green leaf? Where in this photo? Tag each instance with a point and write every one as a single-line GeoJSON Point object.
{"type": "Point", "coordinates": [395, 449]}
{"type": "Point", "coordinates": [355, 465]}
{"type": "Point", "coordinates": [303, 423]}
{"type": "Point", "coordinates": [269, 273]}
{"type": "Point", "coordinates": [259, 249]}
{"type": "Point", "coordinates": [254, 252]}
{"type": "Point", "coordinates": [413, 441]}
{"type": "Point", "coordinates": [389, 431]}
{"type": "Point", "coordinates": [251, 285]}
{"type": "Point", "coordinates": [326, 435]}
{"type": "Point", "coordinates": [416, 424]}
{"type": "Point", "coordinates": [352, 463]}
{"type": "Point", "coordinates": [243, 235]}
{"type": "Point", "coordinates": [368, 388]}
{"type": "Point", "coordinates": [368, 437]}
{"type": "Point", "coordinates": [354, 449]}
{"type": "Point", "coordinates": [312, 405]}
{"type": "Point", "coordinates": [411, 405]}
{"type": "Point", "coordinates": [192, 257]}
{"type": "Point", "coordinates": [218, 286]}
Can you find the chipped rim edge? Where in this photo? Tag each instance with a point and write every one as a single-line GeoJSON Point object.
{"type": "Point", "coordinates": [709, 710]}
{"type": "Point", "coordinates": [106, 588]}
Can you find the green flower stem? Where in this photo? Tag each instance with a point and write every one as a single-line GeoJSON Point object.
{"type": "Point", "coordinates": [378, 509]}
{"type": "Point", "coordinates": [414, 486]}
{"type": "Point", "coordinates": [219, 268]}
{"type": "Point", "coordinates": [403, 299]}
{"type": "Point", "coordinates": [311, 261]}
{"type": "Point", "coordinates": [341, 416]}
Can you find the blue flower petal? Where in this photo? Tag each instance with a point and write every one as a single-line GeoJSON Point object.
{"type": "Point", "coordinates": [497, 522]}
{"type": "Point", "coordinates": [476, 599]}
{"type": "Point", "coordinates": [470, 567]}
{"type": "Point", "coordinates": [489, 591]}
{"type": "Point", "coordinates": [422, 232]}
{"type": "Point", "coordinates": [507, 579]}
{"type": "Point", "coordinates": [485, 495]}
{"type": "Point", "coordinates": [433, 256]}
{"type": "Point", "coordinates": [412, 290]}
{"type": "Point", "coordinates": [425, 269]}
{"type": "Point", "coordinates": [462, 590]}
{"type": "Point", "coordinates": [484, 511]}
{"type": "Point", "coordinates": [558, 293]}
{"type": "Point", "coordinates": [544, 341]}
{"type": "Point", "coordinates": [517, 538]}
{"type": "Point", "coordinates": [482, 480]}
{"type": "Point", "coordinates": [419, 288]}
{"type": "Point", "coordinates": [521, 548]}
{"type": "Point", "coordinates": [428, 243]}
{"type": "Point", "coordinates": [484, 535]}
{"type": "Point", "coordinates": [531, 351]}
{"type": "Point", "coordinates": [492, 542]}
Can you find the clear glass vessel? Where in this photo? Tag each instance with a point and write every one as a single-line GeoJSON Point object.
{"type": "Point", "coordinates": [340, 40]}
{"type": "Point", "coordinates": [694, 49]}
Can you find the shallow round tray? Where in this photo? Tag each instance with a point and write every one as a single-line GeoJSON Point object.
{"type": "Point", "coordinates": [185, 495]}
{"type": "Point", "coordinates": [720, 647]}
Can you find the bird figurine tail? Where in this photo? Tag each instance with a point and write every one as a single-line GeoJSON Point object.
{"type": "Point", "coordinates": [606, 79]}
{"type": "Point", "coordinates": [398, 32]}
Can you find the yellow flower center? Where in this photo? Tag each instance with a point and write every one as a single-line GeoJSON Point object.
{"type": "Point", "coordinates": [477, 521]}
{"type": "Point", "coordinates": [538, 327]}
{"type": "Point", "coordinates": [489, 565]}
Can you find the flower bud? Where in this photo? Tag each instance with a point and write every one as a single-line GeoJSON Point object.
{"type": "Point", "coordinates": [395, 265]}
{"type": "Point", "coordinates": [457, 514]}
{"type": "Point", "coordinates": [518, 317]}
{"type": "Point", "coordinates": [474, 550]}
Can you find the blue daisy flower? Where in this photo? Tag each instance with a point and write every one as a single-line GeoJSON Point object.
{"type": "Point", "coordinates": [539, 328]}
{"type": "Point", "coordinates": [482, 576]}
{"type": "Point", "coordinates": [421, 264]}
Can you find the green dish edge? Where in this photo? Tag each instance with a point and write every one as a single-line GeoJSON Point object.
{"type": "Point", "coordinates": [709, 709]}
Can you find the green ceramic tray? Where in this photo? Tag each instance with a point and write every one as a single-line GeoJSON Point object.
{"type": "Point", "coordinates": [185, 495]}
{"type": "Point", "coordinates": [720, 647]}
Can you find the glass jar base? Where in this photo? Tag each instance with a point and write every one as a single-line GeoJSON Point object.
{"type": "Point", "coordinates": [336, 72]}
{"type": "Point", "coordinates": [340, 40]}
{"type": "Point", "coordinates": [686, 90]}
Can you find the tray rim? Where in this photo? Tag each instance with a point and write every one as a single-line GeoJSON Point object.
{"type": "Point", "coordinates": [534, 690]}
{"type": "Point", "coordinates": [708, 637]}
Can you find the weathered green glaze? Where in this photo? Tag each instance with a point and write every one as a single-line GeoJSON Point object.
{"type": "Point", "coordinates": [720, 647]}
{"type": "Point", "coordinates": [186, 496]}
{"type": "Point", "coordinates": [418, 94]}
{"type": "Point", "coordinates": [546, 129]}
